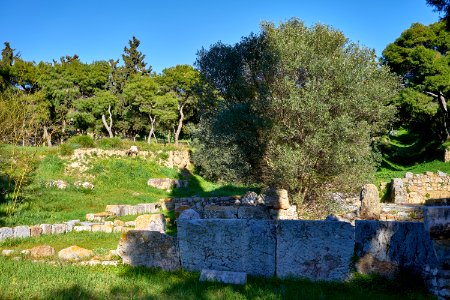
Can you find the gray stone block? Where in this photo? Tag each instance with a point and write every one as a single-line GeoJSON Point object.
{"type": "Point", "coordinates": [253, 212]}
{"type": "Point", "coordinates": [437, 221]}
{"type": "Point", "coordinates": [224, 277]}
{"type": "Point", "coordinates": [6, 233]}
{"type": "Point", "coordinates": [46, 228]}
{"type": "Point", "coordinates": [228, 245]}
{"type": "Point", "coordinates": [220, 212]}
{"type": "Point", "coordinates": [22, 232]}
{"type": "Point", "coordinates": [59, 228]}
{"type": "Point", "coordinates": [318, 250]}
{"type": "Point", "coordinates": [388, 247]}
{"type": "Point", "coordinates": [149, 249]}
{"type": "Point", "coordinates": [70, 224]}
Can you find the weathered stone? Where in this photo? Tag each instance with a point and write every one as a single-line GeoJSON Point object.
{"type": "Point", "coordinates": [180, 208]}
{"type": "Point", "coordinates": [228, 277]}
{"type": "Point", "coordinates": [74, 253]}
{"type": "Point", "coordinates": [228, 245]}
{"type": "Point", "coordinates": [22, 231]}
{"type": "Point", "coordinates": [437, 224]}
{"type": "Point", "coordinates": [99, 217]}
{"type": "Point", "coordinates": [59, 228]}
{"type": "Point", "coordinates": [6, 233]}
{"type": "Point", "coordinates": [102, 228]}
{"type": "Point", "coordinates": [152, 222]}
{"type": "Point", "coordinates": [59, 184]}
{"type": "Point", "coordinates": [119, 223]}
{"type": "Point", "coordinates": [189, 214]}
{"type": "Point", "coordinates": [253, 212]}
{"type": "Point", "coordinates": [167, 183]}
{"type": "Point", "coordinates": [70, 224]}
{"type": "Point", "coordinates": [46, 228]}
{"type": "Point", "coordinates": [130, 224]}
{"type": "Point", "coordinates": [178, 159]}
{"type": "Point", "coordinates": [131, 210]}
{"type": "Point", "coordinates": [150, 249]}
{"type": "Point", "coordinates": [115, 209]}
{"type": "Point", "coordinates": [42, 251]}
{"type": "Point", "coordinates": [220, 212]}
{"type": "Point", "coordinates": [409, 175]}
{"type": "Point", "coordinates": [447, 155]}
{"type": "Point", "coordinates": [318, 250]}
{"type": "Point", "coordinates": [370, 202]}
{"type": "Point", "coordinates": [276, 198]}
{"type": "Point", "coordinates": [149, 208]}
{"type": "Point", "coordinates": [35, 231]}
{"type": "Point", "coordinates": [285, 214]}
{"type": "Point", "coordinates": [118, 229]}
{"type": "Point", "coordinates": [84, 185]}
{"type": "Point", "coordinates": [387, 247]}
{"type": "Point", "coordinates": [250, 198]}
{"type": "Point", "coordinates": [398, 191]}
{"type": "Point", "coordinates": [8, 252]}
{"type": "Point", "coordinates": [82, 228]}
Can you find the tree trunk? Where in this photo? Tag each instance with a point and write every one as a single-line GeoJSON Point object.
{"type": "Point", "coordinates": [180, 123]}
{"type": "Point", "coordinates": [443, 105]}
{"type": "Point", "coordinates": [47, 137]}
{"type": "Point", "coordinates": [152, 129]}
{"type": "Point", "coordinates": [108, 127]}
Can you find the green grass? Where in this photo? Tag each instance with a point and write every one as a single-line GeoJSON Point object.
{"type": "Point", "coordinates": [89, 240]}
{"type": "Point", "coordinates": [44, 281]}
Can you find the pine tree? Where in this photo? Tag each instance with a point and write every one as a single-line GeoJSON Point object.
{"type": "Point", "coordinates": [134, 59]}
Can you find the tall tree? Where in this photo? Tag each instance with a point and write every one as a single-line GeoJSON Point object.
{"type": "Point", "coordinates": [442, 6]}
{"type": "Point", "coordinates": [134, 59]}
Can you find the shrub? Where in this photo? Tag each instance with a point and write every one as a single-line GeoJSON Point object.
{"type": "Point", "coordinates": [84, 141]}
{"type": "Point", "coordinates": [110, 143]}
{"type": "Point", "coordinates": [67, 149]}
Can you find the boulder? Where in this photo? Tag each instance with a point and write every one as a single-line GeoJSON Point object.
{"type": "Point", "coordinates": [189, 214]}
{"type": "Point", "coordinates": [152, 222]}
{"type": "Point", "coordinates": [133, 151]}
{"type": "Point", "coordinates": [22, 231]}
{"type": "Point", "coordinates": [149, 249]}
{"type": "Point", "coordinates": [42, 251]}
{"type": "Point", "coordinates": [74, 253]}
{"type": "Point", "coordinates": [239, 278]}
{"type": "Point", "coordinates": [250, 198]}
{"type": "Point", "coordinates": [370, 203]}
{"type": "Point", "coordinates": [276, 198]}
{"type": "Point", "coordinates": [6, 233]}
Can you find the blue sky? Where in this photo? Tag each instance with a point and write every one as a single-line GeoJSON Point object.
{"type": "Point", "coordinates": [172, 31]}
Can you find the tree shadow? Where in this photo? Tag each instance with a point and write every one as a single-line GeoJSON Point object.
{"type": "Point", "coordinates": [74, 292]}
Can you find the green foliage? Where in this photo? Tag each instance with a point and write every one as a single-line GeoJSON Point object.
{"type": "Point", "coordinates": [301, 106]}
{"type": "Point", "coordinates": [85, 141]}
{"type": "Point", "coordinates": [110, 143]}
{"type": "Point", "coordinates": [67, 149]}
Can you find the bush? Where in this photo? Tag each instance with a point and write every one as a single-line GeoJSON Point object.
{"type": "Point", "coordinates": [110, 143]}
{"type": "Point", "coordinates": [67, 149]}
{"type": "Point", "coordinates": [84, 141]}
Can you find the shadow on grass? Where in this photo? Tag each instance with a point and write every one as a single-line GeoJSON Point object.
{"type": "Point", "coordinates": [74, 292]}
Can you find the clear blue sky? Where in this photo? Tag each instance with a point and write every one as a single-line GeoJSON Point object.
{"type": "Point", "coordinates": [172, 31]}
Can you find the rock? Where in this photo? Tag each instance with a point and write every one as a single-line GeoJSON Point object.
{"type": "Point", "coordinates": [102, 228]}
{"type": "Point", "coordinates": [84, 185]}
{"type": "Point", "coordinates": [59, 184]}
{"type": "Point", "coordinates": [178, 159]}
{"type": "Point", "coordinates": [7, 252]}
{"type": "Point", "coordinates": [74, 253]}
{"type": "Point", "coordinates": [250, 198]}
{"type": "Point", "coordinates": [153, 222]}
{"type": "Point", "coordinates": [59, 228]}
{"type": "Point", "coordinates": [130, 224]}
{"type": "Point", "coordinates": [149, 249]}
{"type": "Point", "coordinates": [398, 191]}
{"type": "Point", "coordinates": [370, 202]}
{"type": "Point", "coordinates": [119, 223]}
{"type": "Point", "coordinates": [253, 212]}
{"type": "Point", "coordinates": [118, 229]}
{"type": "Point", "coordinates": [285, 214]}
{"type": "Point", "coordinates": [6, 233]}
{"type": "Point", "coordinates": [167, 183]}
{"type": "Point", "coordinates": [220, 212]}
{"type": "Point", "coordinates": [437, 224]}
{"type": "Point", "coordinates": [42, 251]}
{"type": "Point", "coordinates": [70, 224]}
{"type": "Point", "coordinates": [228, 245]}
{"type": "Point", "coordinates": [409, 175]}
{"type": "Point", "coordinates": [22, 231]}
{"type": "Point", "coordinates": [441, 174]}
{"type": "Point", "coordinates": [180, 208]}
{"type": "Point", "coordinates": [133, 151]}
{"type": "Point", "coordinates": [447, 155]}
{"type": "Point", "coordinates": [35, 231]}
{"type": "Point", "coordinates": [46, 228]}
{"type": "Point", "coordinates": [318, 250]}
{"type": "Point", "coordinates": [99, 217]}
{"type": "Point", "coordinates": [239, 278]}
{"type": "Point", "coordinates": [82, 228]}
{"type": "Point", "coordinates": [189, 214]}
{"type": "Point", "coordinates": [149, 208]}
{"type": "Point", "coordinates": [25, 252]}
{"type": "Point", "coordinates": [276, 198]}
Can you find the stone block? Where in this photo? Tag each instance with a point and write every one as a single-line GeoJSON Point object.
{"type": "Point", "coordinates": [253, 212]}
{"type": "Point", "coordinates": [239, 278]}
{"type": "Point", "coordinates": [167, 183]}
{"type": "Point", "coordinates": [370, 203]}
{"type": "Point", "coordinates": [46, 228]}
{"type": "Point", "coordinates": [131, 210]}
{"type": "Point", "coordinates": [118, 229]}
{"type": "Point", "coordinates": [102, 228]}
{"type": "Point", "coordinates": [152, 222]}
{"type": "Point", "coordinates": [74, 253]}
{"type": "Point", "coordinates": [388, 247]}
{"type": "Point", "coordinates": [437, 221]}
{"type": "Point", "coordinates": [189, 214]}
{"type": "Point", "coordinates": [59, 228]}
{"type": "Point", "coordinates": [318, 250]}
{"type": "Point", "coordinates": [70, 224]}
{"type": "Point", "coordinates": [285, 214]}
{"type": "Point", "coordinates": [149, 249]}
{"type": "Point", "coordinates": [22, 231]}
{"type": "Point", "coordinates": [42, 251]}
{"type": "Point", "coordinates": [220, 212]}
{"type": "Point", "coordinates": [115, 209]}
{"type": "Point", "coordinates": [118, 223]}
{"type": "Point", "coordinates": [6, 233]}
{"type": "Point", "coordinates": [276, 198]}
{"type": "Point", "coordinates": [228, 245]}
{"type": "Point", "coordinates": [82, 228]}
{"type": "Point", "coordinates": [35, 230]}
{"type": "Point", "coordinates": [130, 224]}
{"type": "Point", "coordinates": [398, 191]}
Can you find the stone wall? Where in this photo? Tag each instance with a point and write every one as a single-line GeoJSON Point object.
{"type": "Point", "coordinates": [420, 188]}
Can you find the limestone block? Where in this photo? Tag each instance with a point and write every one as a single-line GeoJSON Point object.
{"type": "Point", "coordinates": [388, 247]}
{"type": "Point", "coordinates": [22, 231]}
{"type": "Point", "coordinates": [6, 233]}
{"type": "Point", "coordinates": [228, 245]}
{"type": "Point", "coordinates": [149, 208]}
{"type": "Point", "coordinates": [285, 214]}
{"type": "Point", "coordinates": [318, 250]}
{"type": "Point", "coordinates": [35, 231]}
{"type": "Point", "coordinates": [7, 252]}
{"type": "Point", "coordinates": [118, 223]}
{"type": "Point", "coordinates": [74, 253]}
{"type": "Point", "coordinates": [102, 228]}
{"type": "Point", "coordinates": [118, 229]}
{"type": "Point", "coordinates": [131, 210]}
{"type": "Point", "coordinates": [115, 209]}
{"type": "Point", "coordinates": [149, 249]}
{"type": "Point", "coordinates": [239, 278]}
{"type": "Point", "coordinates": [46, 228]}
{"type": "Point", "coordinates": [189, 214]}
{"type": "Point", "coordinates": [70, 224]}
{"type": "Point", "coordinates": [130, 224]}
{"type": "Point", "coordinates": [253, 212]}
{"type": "Point", "coordinates": [370, 202]}
{"type": "Point", "coordinates": [220, 212]}
{"type": "Point", "coordinates": [59, 228]}
{"type": "Point", "coordinates": [167, 183]}
{"type": "Point", "coordinates": [82, 228]}
{"type": "Point", "coordinates": [42, 251]}
{"type": "Point", "coordinates": [152, 222]}
{"type": "Point", "coordinates": [398, 191]}
{"type": "Point", "coordinates": [276, 198]}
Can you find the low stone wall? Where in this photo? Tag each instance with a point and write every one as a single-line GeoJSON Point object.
{"type": "Point", "coordinates": [420, 188]}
